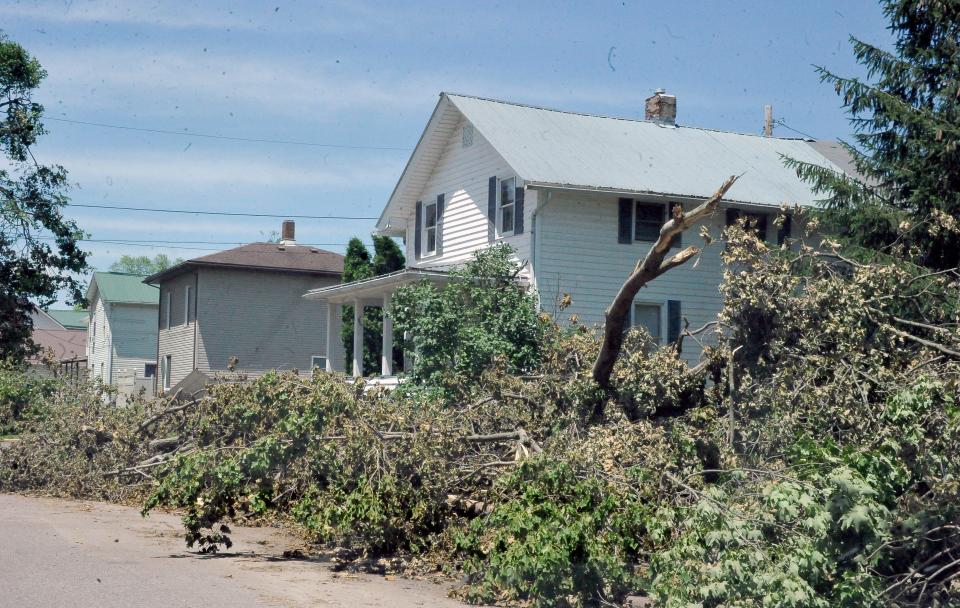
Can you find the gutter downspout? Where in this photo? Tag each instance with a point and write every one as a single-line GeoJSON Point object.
{"type": "Point", "coordinates": [535, 241]}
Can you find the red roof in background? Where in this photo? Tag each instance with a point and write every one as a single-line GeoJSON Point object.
{"type": "Point", "coordinates": [63, 344]}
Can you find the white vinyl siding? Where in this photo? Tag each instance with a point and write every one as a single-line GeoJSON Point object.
{"type": "Point", "coordinates": [462, 174]}
{"type": "Point", "coordinates": [583, 259]}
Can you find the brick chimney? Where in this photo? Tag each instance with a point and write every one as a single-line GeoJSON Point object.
{"type": "Point", "coordinates": [661, 108]}
{"type": "Point", "coordinates": [287, 233]}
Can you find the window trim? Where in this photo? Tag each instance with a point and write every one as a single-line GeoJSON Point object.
{"type": "Point", "coordinates": [165, 371]}
{"type": "Point", "coordinates": [501, 233]}
{"type": "Point", "coordinates": [424, 245]}
{"type": "Point", "coordinates": [186, 305]}
{"type": "Point", "coordinates": [661, 306]}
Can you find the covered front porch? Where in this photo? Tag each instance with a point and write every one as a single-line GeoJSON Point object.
{"type": "Point", "coordinates": [375, 292]}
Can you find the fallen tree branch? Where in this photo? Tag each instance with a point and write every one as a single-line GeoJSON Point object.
{"type": "Point", "coordinates": [652, 266]}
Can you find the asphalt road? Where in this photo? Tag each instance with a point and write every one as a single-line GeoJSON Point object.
{"type": "Point", "coordinates": [61, 553]}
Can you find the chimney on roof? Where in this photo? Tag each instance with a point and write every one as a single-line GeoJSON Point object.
{"type": "Point", "coordinates": [287, 233]}
{"type": "Point", "coordinates": [661, 108]}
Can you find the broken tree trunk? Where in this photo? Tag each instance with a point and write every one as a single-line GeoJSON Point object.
{"type": "Point", "coordinates": [649, 268]}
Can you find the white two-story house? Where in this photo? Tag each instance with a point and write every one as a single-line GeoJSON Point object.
{"type": "Point", "coordinates": [581, 198]}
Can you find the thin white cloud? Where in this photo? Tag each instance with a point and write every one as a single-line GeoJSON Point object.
{"type": "Point", "coordinates": [160, 170]}
{"type": "Point", "coordinates": [340, 17]}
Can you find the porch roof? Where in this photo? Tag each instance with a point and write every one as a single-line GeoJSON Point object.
{"type": "Point", "coordinates": [375, 288]}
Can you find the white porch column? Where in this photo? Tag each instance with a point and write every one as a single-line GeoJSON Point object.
{"type": "Point", "coordinates": [333, 334]}
{"type": "Point", "coordinates": [386, 359]}
{"type": "Point", "coordinates": [357, 339]}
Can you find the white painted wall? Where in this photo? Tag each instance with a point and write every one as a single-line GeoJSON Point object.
{"type": "Point", "coordinates": [98, 341]}
{"type": "Point", "coordinates": [462, 176]}
{"type": "Point", "coordinates": [125, 339]}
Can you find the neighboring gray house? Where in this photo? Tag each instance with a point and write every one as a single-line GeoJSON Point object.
{"type": "Point", "coordinates": [243, 308]}
{"type": "Point", "coordinates": [581, 198]}
{"type": "Point", "coordinates": [121, 333]}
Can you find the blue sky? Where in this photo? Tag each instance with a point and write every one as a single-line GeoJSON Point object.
{"type": "Point", "coordinates": [365, 74]}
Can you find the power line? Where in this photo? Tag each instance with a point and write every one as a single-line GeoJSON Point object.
{"type": "Point", "coordinates": [229, 213]}
{"type": "Point", "coordinates": [780, 122]}
{"type": "Point", "coordinates": [228, 137]}
{"type": "Point", "coordinates": [162, 245]}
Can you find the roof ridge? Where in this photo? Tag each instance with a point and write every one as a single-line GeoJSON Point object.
{"type": "Point", "coordinates": [608, 117]}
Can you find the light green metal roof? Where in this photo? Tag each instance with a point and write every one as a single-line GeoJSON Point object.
{"type": "Point", "coordinates": [123, 288]}
{"type": "Point", "coordinates": [71, 319]}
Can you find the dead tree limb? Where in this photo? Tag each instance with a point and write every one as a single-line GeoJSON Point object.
{"type": "Point", "coordinates": [652, 266]}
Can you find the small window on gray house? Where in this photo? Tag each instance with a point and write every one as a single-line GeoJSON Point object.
{"type": "Point", "coordinates": [165, 370]}
{"type": "Point", "coordinates": [149, 370]}
{"type": "Point", "coordinates": [186, 305]}
{"type": "Point", "coordinates": [508, 195]}
{"type": "Point", "coordinates": [316, 361]}
{"type": "Point", "coordinates": [430, 228]}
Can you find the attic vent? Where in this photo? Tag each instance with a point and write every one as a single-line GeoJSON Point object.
{"type": "Point", "coordinates": [467, 136]}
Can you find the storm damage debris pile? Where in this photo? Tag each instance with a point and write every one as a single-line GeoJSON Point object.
{"type": "Point", "coordinates": [808, 460]}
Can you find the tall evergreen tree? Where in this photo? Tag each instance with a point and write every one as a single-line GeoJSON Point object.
{"type": "Point", "coordinates": [39, 249]}
{"type": "Point", "coordinates": [906, 119]}
{"type": "Point", "coordinates": [358, 265]}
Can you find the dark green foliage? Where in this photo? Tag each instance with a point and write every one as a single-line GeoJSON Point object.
{"type": "Point", "coordinates": [462, 328]}
{"type": "Point", "coordinates": [556, 539]}
{"type": "Point", "coordinates": [143, 265]}
{"type": "Point", "coordinates": [357, 265]}
{"type": "Point", "coordinates": [906, 115]}
{"type": "Point", "coordinates": [31, 198]}
{"type": "Point", "coordinates": [23, 398]}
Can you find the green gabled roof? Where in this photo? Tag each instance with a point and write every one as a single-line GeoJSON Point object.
{"type": "Point", "coordinates": [71, 319]}
{"type": "Point", "coordinates": [123, 288]}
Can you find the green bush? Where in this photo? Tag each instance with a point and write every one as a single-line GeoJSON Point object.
{"type": "Point", "coordinates": [555, 538]}
{"type": "Point", "coordinates": [462, 328]}
{"type": "Point", "coordinates": [23, 397]}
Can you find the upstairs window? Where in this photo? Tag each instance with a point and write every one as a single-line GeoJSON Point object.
{"type": "Point", "coordinates": [167, 312]}
{"type": "Point", "coordinates": [507, 206]}
{"type": "Point", "coordinates": [641, 221]}
{"type": "Point", "coordinates": [430, 228]}
{"type": "Point", "coordinates": [648, 219]}
{"type": "Point", "coordinates": [751, 221]}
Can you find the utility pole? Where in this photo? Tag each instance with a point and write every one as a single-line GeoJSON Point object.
{"type": "Point", "coordinates": [768, 121]}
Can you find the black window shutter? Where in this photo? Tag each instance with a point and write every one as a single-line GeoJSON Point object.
{"type": "Point", "coordinates": [518, 212]}
{"type": "Point", "coordinates": [439, 224]}
{"type": "Point", "coordinates": [492, 209]}
{"type": "Point", "coordinates": [673, 321]}
{"type": "Point", "coordinates": [783, 232]}
{"type": "Point", "coordinates": [625, 221]}
{"type": "Point", "coordinates": [416, 231]}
